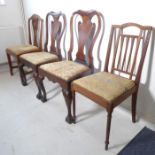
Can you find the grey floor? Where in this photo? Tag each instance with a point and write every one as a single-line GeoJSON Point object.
{"type": "Point", "coordinates": [30, 127]}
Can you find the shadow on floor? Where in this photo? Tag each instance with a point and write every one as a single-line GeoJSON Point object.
{"type": "Point", "coordinates": [90, 113]}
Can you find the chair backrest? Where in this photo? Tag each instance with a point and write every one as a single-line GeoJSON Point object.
{"type": "Point", "coordinates": [127, 49]}
{"type": "Point", "coordinates": [35, 30]}
{"type": "Point", "coordinates": [55, 28]}
{"type": "Point", "coordinates": [86, 31]}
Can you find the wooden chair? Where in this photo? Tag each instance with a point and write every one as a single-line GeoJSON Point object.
{"type": "Point", "coordinates": [65, 72]}
{"type": "Point", "coordinates": [35, 30]}
{"type": "Point", "coordinates": [55, 28]}
{"type": "Point", "coordinates": [121, 76]}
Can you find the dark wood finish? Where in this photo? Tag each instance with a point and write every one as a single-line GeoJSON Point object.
{"type": "Point", "coordinates": [55, 29]}
{"type": "Point", "coordinates": [86, 31]}
{"type": "Point", "coordinates": [109, 117]}
{"type": "Point", "coordinates": [125, 52]}
{"type": "Point", "coordinates": [142, 37]}
{"type": "Point", "coordinates": [35, 27]}
{"type": "Point", "coordinates": [35, 30]}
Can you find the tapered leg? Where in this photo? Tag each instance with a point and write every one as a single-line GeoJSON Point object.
{"type": "Point", "coordinates": [10, 64]}
{"type": "Point", "coordinates": [74, 106]}
{"type": "Point", "coordinates": [41, 89]}
{"type": "Point", "coordinates": [134, 101]}
{"type": "Point", "coordinates": [22, 74]}
{"type": "Point", "coordinates": [68, 99]}
{"type": "Point", "coordinates": [109, 116]}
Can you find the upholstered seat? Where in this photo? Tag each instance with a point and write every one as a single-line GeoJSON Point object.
{"type": "Point", "coordinates": [86, 32]}
{"type": "Point", "coordinates": [39, 57]}
{"type": "Point", "coordinates": [121, 77]}
{"type": "Point", "coordinates": [22, 49]}
{"type": "Point", "coordinates": [55, 28]}
{"type": "Point", "coordinates": [65, 70]}
{"type": "Point", "coordinates": [108, 87]}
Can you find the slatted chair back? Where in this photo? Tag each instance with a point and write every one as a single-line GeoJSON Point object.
{"type": "Point", "coordinates": [126, 51]}
{"type": "Point", "coordinates": [86, 31]}
{"type": "Point", "coordinates": [35, 30]}
{"type": "Point", "coordinates": [55, 28]}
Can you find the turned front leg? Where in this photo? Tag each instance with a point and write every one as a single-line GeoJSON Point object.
{"type": "Point", "coordinates": [134, 102]}
{"type": "Point", "coordinates": [68, 99]}
{"type": "Point", "coordinates": [109, 117]}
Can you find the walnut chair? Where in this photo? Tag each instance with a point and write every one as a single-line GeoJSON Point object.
{"type": "Point", "coordinates": [121, 75]}
{"type": "Point", "coordinates": [65, 72]}
{"type": "Point", "coordinates": [55, 28]}
{"type": "Point", "coordinates": [35, 30]}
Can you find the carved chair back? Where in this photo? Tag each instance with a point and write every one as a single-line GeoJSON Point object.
{"type": "Point", "coordinates": [86, 31]}
{"type": "Point", "coordinates": [126, 51]}
{"type": "Point", "coordinates": [35, 30]}
{"type": "Point", "coordinates": [55, 28]}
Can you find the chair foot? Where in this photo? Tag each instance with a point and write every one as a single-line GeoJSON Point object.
{"type": "Point", "coordinates": [134, 120]}
{"type": "Point", "coordinates": [24, 83]}
{"type": "Point", "coordinates": [43, 99]}
{"type": "Point", "coordinates": [74, 120]}
{"type": "Point", "coordinates": [106, 145]}
{"type": "Point", "coordinates": [38, 96]}
{"type": "Point", "coordinates": [70, 120]}
{"type": "Point", "coordinates": [68, 99]}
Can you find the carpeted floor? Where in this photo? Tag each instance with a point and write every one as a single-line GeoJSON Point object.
{"type": "Point", "coordinates": [142, 144]}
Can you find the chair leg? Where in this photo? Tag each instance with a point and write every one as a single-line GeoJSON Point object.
{"type": "Point", "coordinates": [109, 117]}
{"type": "Point", "coordinates": [134, 102]}
{"type": "Point", "coordinates": [74, 106]}
{"type": "Point", "coordinates": [41, 89]}
{"type": "Point", "coordinates": [10, 64]}
{"type": "Point", "coordinates": [35, 76]}
{"type": "Point", "coordinates": [68, 99]}
{"type": "Point", "coordinates": [22, 74]}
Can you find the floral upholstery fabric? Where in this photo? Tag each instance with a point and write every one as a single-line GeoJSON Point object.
{"type": "Point", "coordinates": [105, 85]}
{"type": "Point", "coordinates": [17, 50]}
{"type": "Point", "coordinates": [39, 57]}
{"type": "Point", "coordinates": [65, 70]}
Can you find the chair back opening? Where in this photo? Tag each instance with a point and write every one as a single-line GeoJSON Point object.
{"type": "Point", "coordinates": [35, 30]}
{"type": "Point", "coordinates": [127, 49]}
{"type": "Point", "coordinates": [86, 26]}
{"type": "Point", "coordinates": [55, 28]}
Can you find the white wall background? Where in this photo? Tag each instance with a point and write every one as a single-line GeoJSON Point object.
{"type": "Point", "coordinates": [11, 26]}
{"type": "Point", "coordinates": [115, 12]}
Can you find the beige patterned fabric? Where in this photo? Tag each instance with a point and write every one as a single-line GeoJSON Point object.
{"type": "Point", "coordinates": [17, 50]}
{"type": "Point", "coordinates": [39, 57]}
{"type": "Point", "coordinates": [65, 70]}
{"type": "Point", "coordinates": [104, 85]}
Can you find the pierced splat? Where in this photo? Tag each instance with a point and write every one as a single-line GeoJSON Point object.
{"type": "Point", "coordinates": [34, 24]}
{"type": "Point", "coordinates": [35, 27]}
{"type": "Point", "coordinates": [87, 33]}
{"type": "Point", "coordinates": [57, 28]}
{"type": "Point", "coordinates": [85, 30]}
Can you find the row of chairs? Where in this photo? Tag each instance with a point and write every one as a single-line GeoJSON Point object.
{"type": "Point", "coordinates": [123, 64]}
